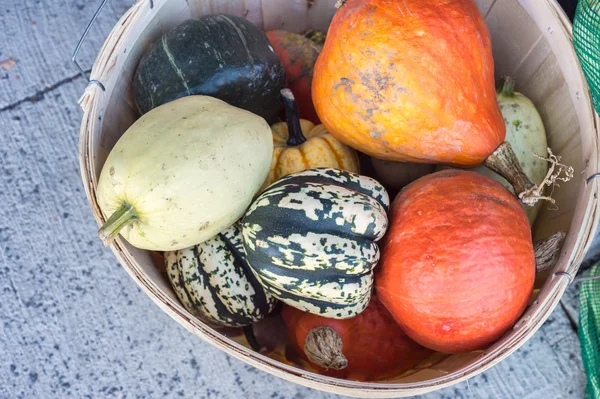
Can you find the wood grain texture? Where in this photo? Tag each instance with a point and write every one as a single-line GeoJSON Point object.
{"type": "Point", "coordinates": [562, 131]}
{"type": "Point", "coordinates": [275, 12]}
{"type": "Point", "coordinates": [485, 5]}
{"type": "Point", "coordinates": [518, 33]}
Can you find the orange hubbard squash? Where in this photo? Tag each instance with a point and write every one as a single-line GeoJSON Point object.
{"type": "Point", "coordinates": [373, 346]}
{"type": "Point", "coordinates": [299, 145]}
{"type": "Point", "coordinates": [298, 55]}
{"type": "Point", "coordinates": [457, 266]}
{"type": "Point", "coordinates": [410, 81]}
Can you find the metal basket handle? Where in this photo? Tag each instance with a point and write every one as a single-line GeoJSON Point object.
{"type": "Point", "coordinates": [82, 38]}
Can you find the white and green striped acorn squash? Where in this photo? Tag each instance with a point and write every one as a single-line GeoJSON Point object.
{"type": "Point", "coordinates": [311, 238]}
{"type": "Point", "coordinates": [214, 282]}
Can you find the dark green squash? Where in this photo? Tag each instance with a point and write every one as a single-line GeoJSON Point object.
{"type": "Point", "coordinates": [311, 238]}
{"type": "Point", "coordinates": [217, 55]}
{"type": "Point", "coordinates": [214, 282]}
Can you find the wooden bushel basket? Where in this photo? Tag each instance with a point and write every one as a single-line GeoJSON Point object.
{"type": "Point", "coordinates": [531, 42]}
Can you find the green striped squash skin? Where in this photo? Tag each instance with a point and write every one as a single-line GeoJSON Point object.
{"type": "Point", "coordinates": [214, 282]}
{"type": "Point", "coordinates": [311, 238]}
{"type": "Point", "coordinates": [217, 55]}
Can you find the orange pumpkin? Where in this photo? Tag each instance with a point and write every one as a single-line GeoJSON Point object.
{"type": "Point", "coordinates": [373, 345]}
{"type": "Point", "coordinates": [457, 266]}
{"type": "Point", "coordinates": [410, 81]}
{"type": "Point", "coordinates": [298, 55]}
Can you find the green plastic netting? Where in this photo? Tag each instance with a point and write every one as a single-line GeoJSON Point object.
{"type": "Point", "coordinates": [586, 39]}
{"type": "Point", "coordinates": [589, 330]}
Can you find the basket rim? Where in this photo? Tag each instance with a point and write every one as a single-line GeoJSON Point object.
{"type": "Point", "coordinates": [92, 100]}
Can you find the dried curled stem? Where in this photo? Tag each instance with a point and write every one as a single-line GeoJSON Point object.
{"type": "Point", "coordinates": [323, 346]}
{"type": "Point", "coordinates": [534, 194]}
{"type": "Point", "coordinates": [504, 162]}
{"type": "Point", "coordinates": [339, 3]}
{"type": "Point", "coordinates": [546, 252]}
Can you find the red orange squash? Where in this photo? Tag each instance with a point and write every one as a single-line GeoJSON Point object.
{"type": "Point", "coordinates": [298, 55]}
{"type": "Point", "coordinates": [373, 345]}
{"type": "Point", "coordinates": [410, 81]}
{"type": "Point", "coordinates": [457, 267]}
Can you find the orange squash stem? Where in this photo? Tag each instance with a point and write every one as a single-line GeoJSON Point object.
{"type": "Point", "coordinates": [292, 117]}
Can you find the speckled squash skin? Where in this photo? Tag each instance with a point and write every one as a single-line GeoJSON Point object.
{"type": "Point", "coordinates": [458, 267]}
{"type": "Point", "coordinates": [374, 344]}
{"type": "Point", "coordinates": [217, 55]}
{"type": "Point", "coordinates": [311, 239]}
{"type": "Point", "coordinates": [189, 168]}
{"type": "Point", "coordinates": [410, 81]}
{"type": "Point", "coordinates": [214, 282]}
{"type": "Point", "coordinates": [298, 55]}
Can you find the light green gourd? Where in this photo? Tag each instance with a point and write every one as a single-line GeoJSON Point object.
{"type": "Point", "coordinates": [183, 173]}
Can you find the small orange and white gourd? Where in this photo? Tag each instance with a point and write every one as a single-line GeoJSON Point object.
{"type": "Point", "coordinates": [299, 144]}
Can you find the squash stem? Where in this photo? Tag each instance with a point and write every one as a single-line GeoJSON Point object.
{"type": "Point", "coordinates": [323, 346]}
{"type": "Point", "coordinates": [339, 4]}
{"type": "Point", "coordinates": [504, 162]}
{"type": "Point", "coordinates": [123, 216]}
{"type": "Point", "coordinates": [508, 87]}
{"type": "Point", "coordinates": [292, 117]}
{"type": "Point", "coordinates": [251, 338]}
{"type": "Point", "coordinates": [546, 252]}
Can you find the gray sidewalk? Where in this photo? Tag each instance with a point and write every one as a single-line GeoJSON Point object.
{"type": "Point", "coordinates": [72, 323]}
